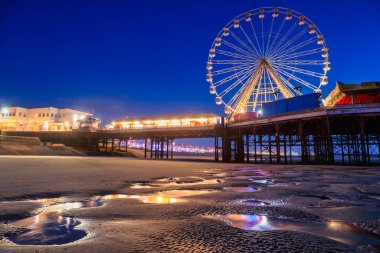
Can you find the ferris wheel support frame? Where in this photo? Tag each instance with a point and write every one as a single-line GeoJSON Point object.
{"type": "Point", "coordinates": [254, 81]}
{"type": "Point", "coordinates": [249, 89]}
{"type": "Point", "coordinates": [285, 91]}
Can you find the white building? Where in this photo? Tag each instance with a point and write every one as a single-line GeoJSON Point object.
{"type": "Point", "coordinates": [43, 119]}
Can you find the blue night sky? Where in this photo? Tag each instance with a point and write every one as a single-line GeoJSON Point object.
{"type": "Point", "coordinates": [148, 57]}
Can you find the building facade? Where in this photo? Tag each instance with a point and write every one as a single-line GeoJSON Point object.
{"type": "Point", "coordinates": [43, 119]}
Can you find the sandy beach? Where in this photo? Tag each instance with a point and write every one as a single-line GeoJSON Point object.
{"type": "Point", "coordinates": [108, 204]}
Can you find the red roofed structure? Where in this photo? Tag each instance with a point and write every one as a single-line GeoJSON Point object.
{"type": "Point", "coordinates": [343, 94]}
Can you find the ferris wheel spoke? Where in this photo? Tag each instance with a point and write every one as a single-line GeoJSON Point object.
{"type": "Point", "coordinates": [270, 34]}
{"type": "Point", "coordinates": [297, 79]}
{"type": "Point", "coordinates": [235, 97]}
{"type": "Point", "coordinates": [235, 55]}
{"type": "Point", "coordinates": [257, 51]}
{"type": "Point", "coordinates": [236, 83]}
{"type": "Point", "coordinates": [296, 91]}
{"type": "Point", "coordinates": [244, 52]}
{"type": "Point", "coordinates": [288, 84]}
{"type": "Point", "coordinates": [238, 101]}
{"type": "Point", "coordinates": [228, 70]}
{"type": "Point", "coordinates": [227, 62]}
{"type": "Point", "coordinates": [241, 42]}
{"type": "Point", "coordinates": [291, 41]}
{"type": "Point", "coordinates": [298, 46]}
{"type": "Point", "coordinates": [283, 39]}
{"type": "Point", "coordinates": [257, 41]}
{"type": "Point", "coordinates": [276, 36]}
{"type": "Point", "coordinates": [231, 77]}
{"type": "Point", "coordinates": [299, 70]}
{"type": "Point", "coordinates": [262, 36]}
{"type": "Point", "coordinates": [300, 62]}
{"type": "Point", "coordinates": [298, 54]}
{"type": "Point", "coordinates": [238, 94]}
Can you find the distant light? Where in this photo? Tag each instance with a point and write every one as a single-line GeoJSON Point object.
{"type": "Point", "coordinates": [259, 112]}
{"type": "Point", "coordinates": [186, 121]}
{"type": "Point", "coordinates": [5, 110]}
{"type": "Point", "coordinates": [175, 122]}
{"type": "Point", "coordinates": [161, 122]}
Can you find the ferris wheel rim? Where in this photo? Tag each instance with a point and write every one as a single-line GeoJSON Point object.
{"type": "Point", "coordinates": [265, 10]}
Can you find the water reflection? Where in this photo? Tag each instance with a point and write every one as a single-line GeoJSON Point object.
{"type": "Point", "coordinates": [94, 201]}
{"type": "Point", "coordinates": [193, 181]}
{"type": "Point", "coordinates": [164, 197]}
{"type": "Point", "coordinates": [50, 226]}
{"type": "Point", "coordinates": [241, 189]}
{"type": "Point", "coordinates": [148, 199]}
{"type": "Point", "coordinates": [51, 200]}
{"type": "Point", "coordinates": [334, 230]}
{"type": "Point", "coordinates": [142, 186]}
{"type": "Point", "coordinates": [249, 222]}
{"type": "Point", "coordinates": [256, 170]}
{"type": "Point", "coordinates": [262, 181]}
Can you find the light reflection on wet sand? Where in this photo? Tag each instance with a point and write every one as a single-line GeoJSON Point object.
{"type": "Point", "coordinates": [164, 197]}
{"type": "Point", "coordinates": [334, 230]}
{"type": "Point", "coordinates": [240, 188]}
{"type": "Point", "coordinates": [50, 226]}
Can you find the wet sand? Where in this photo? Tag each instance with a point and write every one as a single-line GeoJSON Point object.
{"type": "Point", "coordinates": [92, 204]}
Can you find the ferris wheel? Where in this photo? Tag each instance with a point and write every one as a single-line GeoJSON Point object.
{"type": "Point", "coordinates": [264, 55]}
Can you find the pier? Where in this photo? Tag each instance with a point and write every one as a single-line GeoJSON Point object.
{"type": "Point", "coordinates": [345, 134]}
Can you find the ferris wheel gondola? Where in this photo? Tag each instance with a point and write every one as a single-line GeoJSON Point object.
{"type": "Point", "coordinates": [264, 55]}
